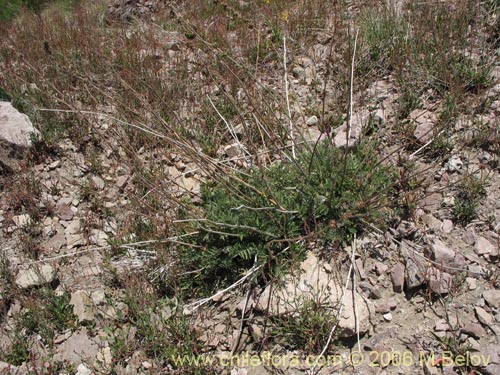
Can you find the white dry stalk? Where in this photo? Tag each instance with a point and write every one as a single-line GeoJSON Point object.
{"type": "Point", "coordinates": [197, 304]}
{"type": "Point", "coordinates": [341, 308]}
{"type": "Point", "coordinates": [123, 246]}
{"type": "Point", "coordinates": [288, 100]}
{"type": "Point", "coordinates": [351, 85]}
{"type": "Point", "coordinates": [229, 128]}
{"type": "Point", "coordinates": [144, 128]}
{"type": "Point", "coordinates": [426, 145]}
{"type": "Point", "coordinates": [355, 306]}
{"type": "Point", "coordinates": [242, 321]}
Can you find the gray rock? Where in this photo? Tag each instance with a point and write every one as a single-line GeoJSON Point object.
{"type": "Point", "coordinates": [454, 164]}
{"type": "Point", "coordinates": [431, 202]}
{"type": "Point", "coordinates": [492, 297]}
{"type": "Point", "coordinates": [439, 282]}
{"type": "Point", "coordinates": [311, 121]}
{"type": "Point", "coordinates": [380, 268]}
{"type": "Point", "coordinates": [98, 237]}
{"type": "Point", "coordinates": [469, 237]}
{"type": "Point", "coordinates": [490, 356]}
{"type": "Point", "coordinates": [446, 256]}
{"type": "Point", "coordinates": [483, 316]}
{"type": "Point", "coordinates": [83, 307]}
{"type": "Point", "coordinates": [35, 276]}
{"type": "Point", "coordinates": [471, 283]}
{"type": "Point", "coordinates": [83, 370]}
{"type": "Point", "coordinates": [424, 124]}
{"type": "Point", "coordinates": [315, 282]}
{"type": "Point", "coordinates": [474, 330]}
{"type": "Point", "coordinates": [358, 121]}
{"type": "Point", "coordinates": [77, 349]}
{"type": "Point", "coordinates": [15, 127]}
{"type": "Point", "coordinates": [22, 221]}
{"type": "Point", "coordinates": [121, 181]}
{"type": "Point", "coordinates": [64, 211]}
{"type": "Point", "coordinates": [98, 182]}
{"type": "Point", "coordinates": [483, 246]}
{"type": "Point", "coordinates": [55, 243]}
{"type": "Point", "coordinates": [447, 226]}
{"type": "Point", "coordinates": [432, 222]}
{"type": "Point", "coordinates": [398, 277]}
{"type": "Point", "coordinates": [312, 135]}
{"type": "Point", "coordinates": [416, 269]}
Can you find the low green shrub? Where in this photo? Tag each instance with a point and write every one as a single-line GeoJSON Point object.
{"type": "Point", "coordinates": [253, 216]}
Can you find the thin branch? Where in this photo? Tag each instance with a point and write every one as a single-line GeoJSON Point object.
{"type": "Point", "coordinates": [339, 312]}
{"type": "Point", "coordinates": [351, 85]}
{"type": "Point", "coordinates": [108, 247]}
{"type": "Point", "coordinates": [287, 99]}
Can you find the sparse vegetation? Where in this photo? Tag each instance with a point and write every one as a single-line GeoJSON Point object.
{"type": "Point", "coordinates": [198, 164]}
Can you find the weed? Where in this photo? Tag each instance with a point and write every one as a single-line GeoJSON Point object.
{"type": "Point", "coordinates": [385, 40]}
{"type": "Point", "coordinates": [18, 351]}
{"type": "Point", "coordinates": [163, 331]}
{"type": "Point", "coordinates": [471, 191]}
{"type": "Point", "coordinates": [306, 329]}
{"type": "Point", "coordinates": [43, 313]}
{"type": "Point", "coordinates": [46, 313]}
{"type": "Point", "coordinates": [253, 216]}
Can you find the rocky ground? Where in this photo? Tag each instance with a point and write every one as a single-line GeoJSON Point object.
{"type": "Point", "coordinates": [425, 285]}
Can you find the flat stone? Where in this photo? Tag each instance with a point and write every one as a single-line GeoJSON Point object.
{"type": "Point", "coordinates": [474, 330]}
{"type": "Point", "coordinates": [424, 121]}
{"type": "Point", "coordinates": [387, 317]}
{"type": "Point", "coordinates": [469, 237]}
{"type": "Point", "coordinates": [311, 121]}
{"type": "Point", "coordinates": [35, 276]}
{"type": "Point", "coordinates": [82, 306]}
{"type": "Point", "coordinates": [64, 211]}
{"type": "Point", "coordinates": [99, 237]}
{"type": "Point", "coordinates": [380, 268]}
{"type": "Point", "coordinates": [445, 256]}
{"type": "Point", "coordinates": [55, 243]}
{"type": "Point", "coordinates": [98, 182]}
{"type": "Point", "coordinates": [447, 226]}
{"type": "Point", "coordinates": [471, 283]}
{"type": "Point", "coordinates": [443, 325]}
{"type": "Point", "coordinates": [83, 370]}
{"type": "Point", "coordinates": [483, 316]}
{"type": "Point", "coordinates": [432, 222]}
{"type": "Point", "coordinates": [398, 277]}
{"type": "Point", "coordinates": [431, 202]}
{"type": "Point", "coordinates": [312, 135]}
{"type": "Point", "coordinates": [21, 221]}
{"type": "Point", "coordinates": [312, 283]}
{"type": "Point", "coordinates": [492, 298]}
{"type": "Point", "coordinates": [15, 127]}
{"type": "Point", "coordinates": [121, 181]}
{"type": "Point", "coordinates": [483, 246]}
{"type": "Point", "coordinates": [439, 282]}
{"type": "Point", "coordinates": [78, 348]}
{"type": "Point", "coordinates": [416, 270]}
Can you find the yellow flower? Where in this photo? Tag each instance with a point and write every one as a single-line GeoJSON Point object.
{"type": "Point", "coordinates": [284, 16]}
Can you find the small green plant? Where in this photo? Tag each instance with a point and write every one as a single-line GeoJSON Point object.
{"type": "Point", "coordinates": [384, 42]}
{"type": "Point", "coordinates": [470, 192]}
{"type": "Point", "coordinates": [305, 329]}
{"type": "Point", "coordinates": [18, 350]}
{"type": "Point", "coordinates": [163, 332]}
{"type": "Point", "coordinates": [253, 216]}
{"type": "Point", "coordinates": [46, 313]}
